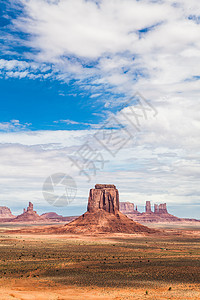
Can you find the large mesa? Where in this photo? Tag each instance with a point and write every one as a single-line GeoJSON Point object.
{"type": "Point", "coordinates": [103, 214]}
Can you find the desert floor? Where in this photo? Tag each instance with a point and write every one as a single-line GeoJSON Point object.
{"type": "Point", "coordinates": [100, 267]}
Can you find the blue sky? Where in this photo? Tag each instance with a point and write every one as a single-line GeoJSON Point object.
{"type": "Point", "coordinates": [42, 103]}
{"type": "Point", "coordinates": [67, 68]}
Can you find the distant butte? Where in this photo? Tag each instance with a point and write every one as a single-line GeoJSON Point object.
{"type": "Point", "coordinates": [159, 215]}
{"type": "Point", "coordinates": [5, 213]}
{"type": "Point", "coordinates": [29, 215]}
{"type": "Point", "coordinates": [52, 216]}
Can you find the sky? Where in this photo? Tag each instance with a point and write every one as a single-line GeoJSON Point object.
{"type": "Point", "coordinates": [104, 92]}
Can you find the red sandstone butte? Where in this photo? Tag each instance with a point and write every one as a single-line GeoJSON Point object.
{"type": "Point", "coordinates": [29, 215]}
{"type": "Point", "coordinates": [103, 214]}
{"type": "Point", "coordinates": [5, 213]}
{"type": "Point", "coordinates": [160, 214]}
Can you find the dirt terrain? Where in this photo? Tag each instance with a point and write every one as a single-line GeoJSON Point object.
{"type": "Point", "coordinates": [103, 266]}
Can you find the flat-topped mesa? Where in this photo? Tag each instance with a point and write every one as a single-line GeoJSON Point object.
{"type": "Point", "coordinates": [104, 196]}
{"type": "Point", "coordinates": [105, 186]}
{"type": "Point", "coordinates": [127, 207]}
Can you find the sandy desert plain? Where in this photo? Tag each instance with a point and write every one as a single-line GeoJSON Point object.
{"type": "Point", "coordinates": [100, 266]}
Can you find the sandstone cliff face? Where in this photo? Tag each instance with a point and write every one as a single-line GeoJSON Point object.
{"type": "Point", "coordinates": [126, 207]}
{"type": "Point", "coordinates": [156, 209]}
{"type": "Point", "coordinates": [5, 212]}
{"type": "Point", "coordinates": [148, 207]}
{"type": "Point", "coordinates": [104, 196]}
{"type": "Point", "coordinates": [162, 208]}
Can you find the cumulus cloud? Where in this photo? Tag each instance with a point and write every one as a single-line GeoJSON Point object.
{"type": "Point", "coordinates": [119, 45]}
{"type": "Point", "coordinates": [174, 124]}
{"type": "Point", "coordinates": [86, 28]}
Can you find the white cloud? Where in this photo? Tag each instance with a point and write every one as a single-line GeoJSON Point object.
{"type": "Point", "coordinates": [67, 122]}
{"type": "Point", "coordinates": [108, 32]}
{"type": "Point", "coordinates": [57, 138]}
{"type": "Point", "coordinates": [176, 124]}
{"type": "Point", "coordinates": [105, 47]}
{"type": "Point", "coordinates": [71, 122]}
{"type": "Point", "coordinates": [19, 69]}
{"type": "Point", "coordinates": [85, 28]}
{"type": "Point", "coordinates": [13, 125]}
{"type": "Point", "coordinates": [69, 36]}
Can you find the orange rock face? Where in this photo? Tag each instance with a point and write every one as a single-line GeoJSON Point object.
{"type": "Point", "coordinates": [5, 212]}
{"type": "Point", "coordinates": [105, 197]}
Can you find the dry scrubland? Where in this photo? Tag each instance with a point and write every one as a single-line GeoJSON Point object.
{"type": "Point", "coordinates": [99, 267]}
